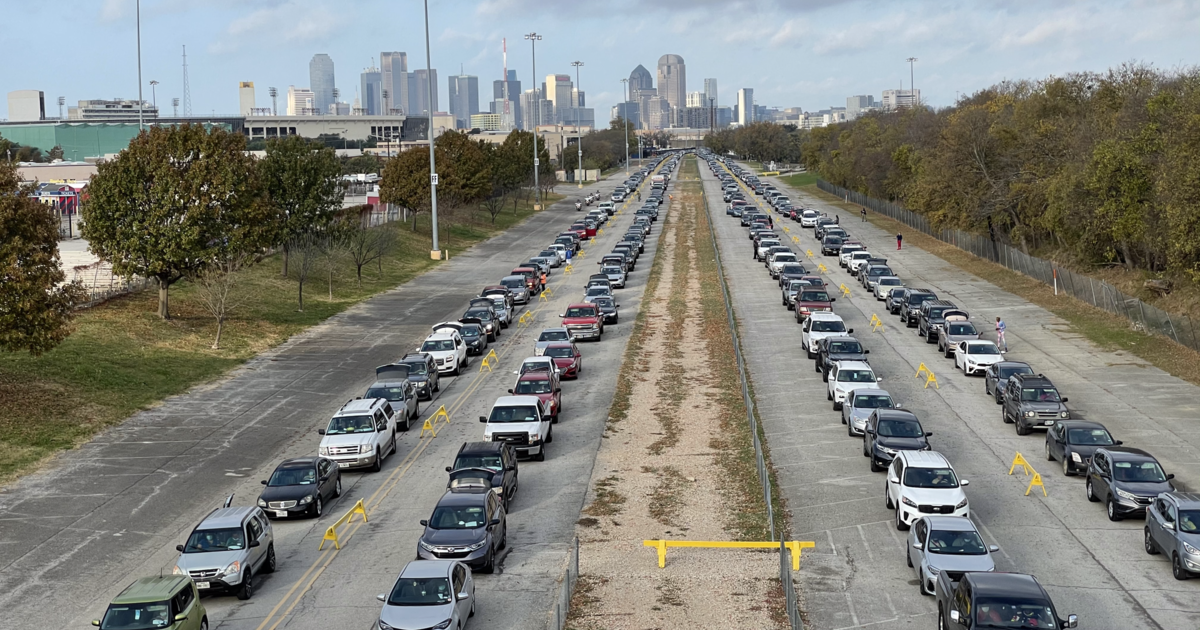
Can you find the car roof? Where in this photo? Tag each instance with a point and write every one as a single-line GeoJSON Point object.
{"type": "Point", "coordinates": [151, 589]}
{"type": "Point", "coordinates": [825, 316]}
{"type": "Point", "coordinates": [221, 518]}
{"type": "Point", "coordinates": [512, 401]}
{"type": "Point", "coordinates": [512, 277]}
{"type": "Point", "coordinates": [979, 342]}
{"type": "Point", "coordinates": [426, 568]}
{"type": "Point", "coordinates": [932, 303]}
{"type": "Point", "coordinates": [1082, 424]}
{"type": "Point", "coordinates": [534, 376]}
{"type": "Point", "coordinates": [837, 338]}
{"type": "Point", "coordinates": [1013, 364]}
{"type": "Point", "coordinates": [439, 337]}
{"type": "Point", "coordinates": [1128, 454]}
{"type": "Point", "coordinates": [924, 459]}
{"type": "Point", "coordinates": [1034, 380]}
{"type": "Point", "coordinates": [297, 462]}
{"type": "Point", "coordinates": [950, 523]}
{"type": "Point", "coordinates": [462, 498]}
{"type": "Point", "coordinates": [853, 365]}
{"type": "Point", "coordinates": [579, 305]}
{"type": "Point", "coordinates": [555, 329]}
{"type": "Point", "coordinates": [415, 357]}
{"type": "Point", "coordinates": [480, 447]}
{"type": "Point", "coordinates": [1186, 500]}
{"type": "Point", "coordinates": [1006, 584]}
{"type": "Point", "coordinates": [891, 414]}
{"type": "Point", "coordinates": [359, 405]}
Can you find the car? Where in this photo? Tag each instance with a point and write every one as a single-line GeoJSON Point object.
{"type": "Point", "coordinates": [502, 308]}
{"type": "Point", "coordinates": [808, 218]}
{"type": "Point", "coordinates": [1126, 479]}
{"type": "Point", "coordinates": [765, 244]}
{"type": "Point", "coordinates": [537, 364]}
{"type": "Point", "coordinates": [860, 404]}
{"type": "Point", "coordinates": [830, 350]}
{"type": "Point", "coordinates": [831, 245]}
{"type": "Point", "coordinates": [544, 385]}
{"type": "Point", "coordinates": [946, 543]}
{"type": "Point", "coordinates": [791, 271]}
{"type": "Point", "coordinates": [931, 316]}
{"type": "Point", "coordinates": [892, 297]}
{"type": "Point", "coordinates": [851, 248]}
{"type": "Point", "coordinates": [598, 279]}
{"type": "Point", "coordinates": [484, 316]}
{"type": "Point", "coordinates": [974, 357]}
{"type": "Point", "coordinates": [858, 260]}
{"type": "Point", "coordinates": [888, 431]}
{"type": "Point", "coordinates": [519, 286]}
{"type": "Point", "coordinates": [567, 358]}
{"type": "Point", "coordinates": [542, 263]}
{"type": "Point", "coordinates": [779, 260]}
{"type": "Point", "coordinates": [847, 376]}
{"type": "Point", "coordinates": [1173, 528]}
{"type": "Point", "coordinates": [395, 388]}
{"type": "Point", "coordinates": [583, 321]}
{"type": "Point", "coordinates": [609, 309]}
{"type": "Point", "coordinates": [1031, 401]}
{"type": "Point", "coordinates": [474, 336]}
{"type": "Point", "coordinates": [421, 369]}
{"type": "Point", "coordinates": [300, 487]}
{"type": "Point", "coordinates": [789, 293]}
{"type": "Point", "coordinates": [1073, 442]}
{"type": "Point", "coordinates": [429, 594]}
{"type": "Point", "coordinates": [468, 524]}
{"type": "Point", "coordinates": [982, 599]}
{"type": "Point", "coordinates": [923, 482]}
{"type": "Point", "coordinates": [997, 375]}
{"type": "Point", "coordinates": [810, 301]}
{"type": "Point", "coordinates": [360, 434]}
{"type": "Point", "coordinates": [548, 336]}
{"type": "Point", "coordinates": [818, 326]}
{"type": "Point", "coordinates": [871, 273]}
{"type": "Point", "coordinates": [169, 602]}
{"type": "Point", "coordinates": [522, 421]}
{"type": "Point", "coordinates": [499, 291]}
{"type": "Point", "coordinates": [955, 328]}
{"type": "Point", "coordinates": [552, 256]}
{"type": "Point", "coordinates": [596, 291]}
{"type": "Point", "coordinates": [910, 302]}
{"type": "Point", "coordinates": [615, 274]}
{"type": "Point", "coordinates": [227, 549]}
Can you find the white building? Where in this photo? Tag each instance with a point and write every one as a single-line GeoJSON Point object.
{"type": "Point", "coordinates": [301, 102]}
{"type": "Point", "coordinates": [246, 98]}
{"type": "Point", "coordinates": [696, 99]}
{"type": "Point", "coordinates": [26, 105]}
{"type": "Point", "coordinates": [745, 105]}
{"type": "Point", "coordinates": [110, 110]}
{"type": "Point", "coordinates": [900, 99]}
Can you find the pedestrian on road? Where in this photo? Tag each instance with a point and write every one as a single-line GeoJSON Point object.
{"type": "Point", "coordinates": [837, 220]}
{"type": "Point", "coordinates": [639, 195]}
{"type": "Point", "coordinates": [1000, 340]}
{"type": "Point", "coordinates": [899, 240]}
{"type": "Point", "coordinates": [754, 249]}
{"type": "Point", "coordinates": [771, 220]}
{"type": "Point", "coordinates": [863, 213]}
{"type": "Point", "coordinates": [543, 280]}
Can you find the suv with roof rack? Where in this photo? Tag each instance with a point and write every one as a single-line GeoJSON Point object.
{"type": "Point", "coordinates": [1032, 402]}
{"type": "Point", "coordinates": [226, 550]}
{"type": "Point", "coordinates": [498, 458]}
{"type": "Point", "coordinates": [910, 302]}
{"type": "Point", "coordinates": [163, 603]}
{"type": "Point", "coordinates": [360, 434]}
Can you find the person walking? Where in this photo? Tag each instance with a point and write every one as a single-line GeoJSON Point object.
{"type": "Point", "coordinates": [771, 221]}
{"type": "Point", "coordinates": [863, 214]}
{"type": "Point", "coordinates": [1000, 340]}
{"type": "Point", "coordinates": [639, 194]}
{"type": "Point", "coordinates": [899, 240]}
{"type": "Point", "coordinates": [754, 249]}
{"type": "Point", "coordinates": [543, 280]}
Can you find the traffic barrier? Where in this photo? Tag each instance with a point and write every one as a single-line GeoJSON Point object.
{"type": "Point", "coordinates": [794, 546]}
{"type": "Point", "coordinates": [600, 232]}
{"type": "Point", "coordinates": [430, 425]}
{"type": "Point", "coordinates": [544, 295]}
{"type": "Point", "coordinates": [568, 270]}
{"type": "Point", "coordinates": [795, 239]}
{"type": "Point", "coordinates": [785, 229]}
{"type": "Point", "coordinates": [821, 266]}
{"type": "Point", "coordinates": [929, 376]}
{"type": "Point", "coordinates": [845, 290]}
{"type": "Point", "coordinates": [525, 318]}
{"type": "Point", "coordinates": [487, 360]}
{"type": "Point", "coordinates": [331, 532]}
{"type": "Point", "coordinates": [1020, 460]}
{"type": "Point", "coordinates": [876, 323]}
{"type": "Point", "coordinates": [810, 254]}
{"type": "Point", "coordinates": [581, 253]}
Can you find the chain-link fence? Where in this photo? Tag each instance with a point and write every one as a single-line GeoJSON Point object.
{"type": "Point", "coordinates": [566, 587]}
{"type": "Point", "coordinates": [1098, 293]}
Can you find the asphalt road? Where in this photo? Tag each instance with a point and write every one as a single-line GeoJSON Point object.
{"type": "Point", "coordinates": [856, 576]}
{"type": "Point", "coordinates": [114, 509]}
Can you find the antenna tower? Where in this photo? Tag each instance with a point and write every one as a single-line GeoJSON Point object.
{"type": "Point", "coordinates": [187, 89]}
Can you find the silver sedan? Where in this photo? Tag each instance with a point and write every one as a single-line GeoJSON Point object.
{"type": "Point", "coordinates": [946, 543]}
{"type": "Point", "coordinates": [859, 405]}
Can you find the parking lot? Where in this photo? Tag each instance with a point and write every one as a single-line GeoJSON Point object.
{"type": "Point", "coordinates": [856, 576]}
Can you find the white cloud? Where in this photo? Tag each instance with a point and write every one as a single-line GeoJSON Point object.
{"type": "Point", "coordinates": [113, 10]}
{"type": "Point", "coordinates": [289, 22]}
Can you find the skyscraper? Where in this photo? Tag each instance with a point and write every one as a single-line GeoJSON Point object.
{"type": "Point", "coordinates": [464, 99]}
{"type": "Point", "coordinates": [640, 80]}
{"type": "Point", "coordinates": [393, 68]}
{"type": "Point", "coordinates": [372, 91]}
{"type": "Point", "coordinates": [246, 98]}
{"type": "Point", "coordinates": [710, 92]}
{"type": "Point", "coordinates": [745, 105]}
{"type": "Point", "coordinates": [558, 90]}
{"type": "Point", "coordinates": [421, 101]}
{"type": "Point", "coordinates": [320, 78]}
{"type": "Point", "coordinates": [696, 99]}
{"type": "Point", "coordinates": [672, 80]}
{"type": "Point", "coordinates": [300, 101]}
{"type": "Point", "coordinates": [514, 97]}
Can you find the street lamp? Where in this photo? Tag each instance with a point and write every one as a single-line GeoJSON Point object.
{"type": "Point", "coordinates": [141, 121]}
{"type": "Point", "coordinates": [435, 253]}
{"type": "Point", "coordinates": [154, 94]}
{"type": "Point", "coordinates": [537, 119]}
{"type": "Point", "coordinates": [912, 88]}
{"type": "Point", "coordinates": [578, 90]}
{"type": "Point", "coordinates": [625, 90]}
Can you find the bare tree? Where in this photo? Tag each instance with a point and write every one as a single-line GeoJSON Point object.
{"type": "Point", "coordinates": [306, 249]}
{"type": "Point", "coordinates": [365, 245]}
{"type": "Point", "coordinates": [215, 286]}
{"type": "Point", "coordinates": [335, 250]}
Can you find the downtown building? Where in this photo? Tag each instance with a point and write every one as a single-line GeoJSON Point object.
{"type": "Point", "coordinates": [464, 99]}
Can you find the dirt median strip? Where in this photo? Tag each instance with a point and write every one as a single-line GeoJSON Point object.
{"type": "Point", "coordinates": [673, 464]}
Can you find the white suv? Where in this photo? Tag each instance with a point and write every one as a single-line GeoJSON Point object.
{"type": "Point", "coordinates": [360, 434]}
{"type": "Point", "coordinates": [448, 350]}
{"type": "Point", "coordinates": [819, 325]}
{"type": "Point", "coordinates": [923, 482]}
{"type": "Point", "coordinates": [808, 218]}
{"type": "Point", "coordinates": [847, 376]}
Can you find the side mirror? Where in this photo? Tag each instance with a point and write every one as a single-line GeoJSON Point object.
{"type": "Point", "coordinates": [463, 595]}
{"type": "Point", "coordinates": [181, 616]}
{"type": "Point", "coordinates": [494, 521]}
{"type": "Point", "coordinates": [562, 314]}
{"type": "Point", "coordinates": [1170, 476]}
{"type": "Point", "coordinates": [254, 543]}
{"type": "Point", "coordinates": [1065, 399]}
{"type": "Point", "coordinates": [449, 469]}
{"type": "Point", "coordinates": [510, 467]}
{"type": "Point", "coordinates": [510, 391]}
{"type": "Point", "coordinates": [870, 431]}
{"type": "Point", "coordinates": [1118, 442]}
{"type": "Point", "coordinates": [483, 418]}
{"type": "Point", "coordinates": [179, 548]}
{"type": "Point", "coordinates": [557, 390]}
{"type": "Point", "coordinates": [424, 523]}
{"type": "Point", "coordinates": [878, 378]}
{"type": "Point", "coordinates": [866, 352]}
{"type": "Point", "coordinates": [954, 616]}
{"type": "Point", "coordinates": [264, 482]}
{"type": "Point", "coordinates": [321, 431]}
{"type": "Point", "coordinates": [1072, 621]}
{"type": "Point", "coordinates": [993, 548]}
{"type": "Point", "coordinates": [918, 545]}
{"type": "Point", "coordinates": [833, 299]}
{"type": "Point", "coordinates": [929, 434]}
{"type": "Point", "coordinates": [894, 479]}
{"type": "Point", "coordinates": [381, 597]}
{"type": "Point", "coordinates": [964, 483]}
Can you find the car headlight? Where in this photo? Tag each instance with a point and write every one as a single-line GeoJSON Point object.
{"type": "Point", "coordinates": [306, 500]}
{"type": "Point", "coordinates": [384, 626]}
{"type": "Point", "coordinates": [1030, 414]}
{"type": "Point", "coordinates": [424, 545]}
{"type": "Point", "coordinates": [962, 504]}
{"type": "Point", "coordinates": [261, 503]}
{"type": "Point", "coordinates": [1190, 549]}
{"type": "Point", "coordinates": [933, 571]}
{"type": "Point", "coordinates": [442, 626]}
{"type": "Point", "coordinates": [534, 436]}
{"type": "Point", "coordinates": [234, 568]}
{"type": "Point", "coordinates": [885, 450]}
{"type": "Point", "coordinates": [1076, 458]}
{"type": "Point", "coordinates": [477, 546]}
{"type": "Point", "coordinates": [178, 571]}
{"type": "Point", "coordinates": [1064, 414]}
{"type": "Point", "coordinates": [1128, 496]}
{"type": "Point", "coordinates": [538, 352]}
{"type": "Point", "coordinates": [323, 451]}
{"type": "Point", "coordinates": [907, 501]}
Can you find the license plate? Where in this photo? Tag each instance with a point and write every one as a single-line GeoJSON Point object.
{"type": "Point", "coordinates": [1048, 422]}
{"type": "Point", "coordinates": [280, 514]}
{"type": "Point", "coordinates": [343, 464]}
{"type": "Point", "coordinates": [201, 585]}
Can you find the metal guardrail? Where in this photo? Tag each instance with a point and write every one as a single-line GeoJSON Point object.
{"type": "Point", "coordinates": [1098, 293]}
{"type": "Point", "coordinates": [566, 588]}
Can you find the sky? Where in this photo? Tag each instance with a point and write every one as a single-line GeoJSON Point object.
{"type": "Point", "coordinates": [794, 53]}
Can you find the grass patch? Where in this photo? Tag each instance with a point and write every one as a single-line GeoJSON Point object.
{"type": "Point", "coordinates": [800, 179]}
{"type": "Point", "coordinates": [666, 498]}
{"type": "Point", "coordinates": [583, 603]}
{"type": "Point", "coordinates": [607, 501]}
{"type": "Point", "coordinates": [1109, 331]}
{"type": "Point", "coordinates": [121, 358]}
{"type": "Point", "coordinates": [668, 593]}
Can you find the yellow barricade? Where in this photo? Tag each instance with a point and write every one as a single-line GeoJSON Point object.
{"type": "Point", "coordinates": [876, 323]}
{"type": "Point", "coordinates": [542, 297]}
{"type": "Point", "coordinates": [821, 266]}
{"type": "Point", "coordinates": [1020, 460]}
{"type": "Point", "coordinates": [932, 379]}
{"type": "Point", "coordinates": [600, 232]}
{"type": "Point", "coordinates": [568, 270]}
{"type": "Point", "coordinates": [785, 229]}
{"type": "Point", "coordinates": [922, 368]}
{"type": "Point", "coordinates": [581, 253]}
{"type": "Point", "coordinates": [795, 239]}
{"type": "Point", "coordinates": [430, 425]}
{"type": "Point", "coordinates": [661, 546]}
{"type": "Point", "coordinates": [525, 318]}
{"type": "Point", "coordinates": [810, 255]}
{"type": "Point", "coordinates": [488, 359]}
{"type": "Point", "coordinates": [331, 531]}
{"type": "Point", "coordinates": [845, 290]}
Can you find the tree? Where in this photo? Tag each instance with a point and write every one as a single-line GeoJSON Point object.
{"type": "Point", "coordinates": [171, 201]}
{"type": "Point", "coordinates": [365, 245]}
{"type": "Point", "coordinates": [35, 307]}
{"type": "Point", "coordinates": [306, 249]}
{"type": "Point", "coordinates": [498, 186]}
{"type": "Point", "coordinates": [405, 182]}
{"type": "Point", "coordinates": [302, 182]}
{"type": "Point", "coordinates": [462, 169]}
{"type": "Point", "coordinates": [55, 153]}
{"type": "Point", "coordinates": [215, 285]}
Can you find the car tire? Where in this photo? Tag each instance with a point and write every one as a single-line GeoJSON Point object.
{"type": "Point", "coordinates": [1091, 496]}
{"type": "Point", "coordinates": [864, 445]}
{"type": "Point", "coordinates": [941, 619]}
{"type": "Point", "coordinates": [850, 429]}
{"type": "Point", "coordinates": [204, 624]}
{"type": "Point", "coordinates": [887, 498]}
{"type": "Point", "coordinates": [828, 394]}
{"type": "Point", "coordinates": [1066, 464]}
{"type": "Point", "coordinates": [908, 559]}
{"type": "Point", "coordinates": [1177, 569]}
{"type": "Point", "coordinates": [541, 454]}
{"type": "Point", "coordinates": [472, 613]}
{"type": "Point", "coordinates": [436, 388]}
{"type": "Point", "coordinates": [269, 564]}
{"type": "Point", "coordinates": [337, 487]}
{"type": "Point", "coordinates": [876, 468]}
{"type": "Point", "coordinates": [1021, 428]}
{"type": "Point", "coordinates": [900, 525]}
{"type": "Point", "coordinates": [489, 565]}
{"type": "Point", "coordinates": [318, 507]}
{"type": "Point", "coordinates": [550, 434]}
{"type": "Point", "coordinates": [837, 406]}
{"type": "Point", "coordinates": [1049, 457]}
{"type": "Point", "coordinates": [504, 537]}
{"type": "Point", "coordinates": [378, 465]}
{"type": "Point", "coordinates": [1004, 417]}
{"type": "Point", "coordinates": [1110, 507]}
{"type": "Point", "coordinates": [1151, 548]}
{"type": "Point", "coordinates": [949, 355]}
{"type": "Point", "coordinates": [246, 591]}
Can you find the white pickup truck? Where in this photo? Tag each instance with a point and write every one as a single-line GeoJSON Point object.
{"type": "Point", "coordinates": [522, 421]}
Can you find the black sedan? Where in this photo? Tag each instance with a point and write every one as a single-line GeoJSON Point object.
{"type": "Point", "coordinates": [840, 348]}
{"type": "Point", "coordinates": [997, 375]}
{"type": "Point", "coordinates": [1073, 442]}
{"type": "Point", "coordinates": [300, 487]}
{"type": "Point", "coordinates": [891, 430]}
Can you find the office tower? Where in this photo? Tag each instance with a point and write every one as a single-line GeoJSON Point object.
{"type": "Point", "coordinates": [320, 79]}
{"type": "Point", "coordinates": [640, 80]}
{"type": "Point", "coordinates": [710, 92]}
{"type": "Point", "coordinates": [300, 101]}
{"type": "Point", "coordinates": [372, 91]}
{"type": "Point", "coordinates": [696, 99]}
{"type": "Point", "coordinates": [558, 90]}
{"type": "Point", "coordinates": [536, 110]}
{"type": "Point", "coordinates": [464, 99]}
{"type": "Point", "coordinates": [900, 99]}
{"type": "Point", "coordinates": [496, 106]}
{"type": "Point", "coordinates": [246, 98]}
{"type": "Point", "coordinates": [745, 106]}
{"type": "Point", "coordinates": [672, 80]}
{"type": "Point", "coordinates": [26, 105]}
{"type": "Point", "coordinates": [393, 70]}
{"type": "Point", "coordinates": [421, 101]}
{"type": "Point", "coordinates": [629, 111]}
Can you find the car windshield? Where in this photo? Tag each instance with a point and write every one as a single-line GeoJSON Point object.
{"type": "Point", "coordinates": [1189, 521]}
{"type": "Point", "coordinates": [470, 331]}
{"type": "Point", "coordinates": [956, 543]}
{"type": "Point", "coordinates": [532, 387]}
{"type": "Point", "coordinates": [611, 270]}
{"type": "Point", "coordinates": [513, 414]}
{"type": "Point", "coordinates": [1039, 394]}
{"type": "Point", "coordinates": [513, 284]}
{"type": "Point", "coordinates": [937, 311]}
{"type": "Point", "coordinates": [879, 271]}
{"type": "Point", "coordinates": [1089, 437]}
{"type": "Point", "coordinates": [814, 296]}
{"type": "Point", "coordinates": [1009, 370]}
{"type": "Point", "coordinates": [604, 302]}
{"type": "Point", "coordinates": [204, 540]}
{"type": "Point", "coordinates": [982, 348]}
{"type": "Point", "coordinates": [535, 366]}
{"type": "Point", "coordinates": [844, 347]}
{"type": "Point", "coordinates": [490, 462]}
{"type": "Point", "coordinates": [1147, 472]}
{"type": "Point", "coordinates": [417, 368]}
{"type": "Point", "coordinates": [930, 478]}
{"type": "Point", "coordinates": [856, 376]}
{"type": "Point", "coordinates": [293, 477]}
{"type": "Point", "coordinates": [598, 290]}
{"type": "Point", "coordinates": [458, 517]}
{"type": "Point", "coordinates": [1013, 613]}
{"type": "Point", "coordinates": [889, 282]}
{"type": "Point", "coordinates": [420, 592]}
{"type": "Point", "coordinates": [479, 313]}
{"type": "Point", "coordinates": [785, 257]}
{"type": "Point", "coordinates": [961, 329]}
{"type": "Point", "coordinates": [791, 269]}
{"type": "Point", "coordinates": [917, 298]}
{"type": "Point", "coordinates": [554, 335]}
{"type": "Point", "coordinates": [145, 616]}
{"type": "Point", "coordinates": [342, 425]}
{"type": "Point", "coordinates": [387, 393]}
{"type": "Point", "coordinates": [562, 353]}
{"type": "Point", "coordinates": [900, 428]}
{"type": "Point", "coordinates": [833, 240]}
{"type": "Point", "coordinates": [872, 401]}
{"type": "Point", "coordinates": [828, 326]}
{"type": "Point", "coordinates": [438, 345]}
{"type": "Point", "coordinates": [580, 311]}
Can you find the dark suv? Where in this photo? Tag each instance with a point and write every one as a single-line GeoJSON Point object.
{"type": "Point", "coordinates": [1126, 479]}
{"type": "Point", "coordinates": [891, 430]}
{"type": "Point", "coordinates": [981, 599]}
{"type": "Point", "coordinates": [833, 349]}
{"type": "Point", "coordinates": [1032, 402]}
{"type": "Point", "coordinates": [467, 525]}
{"type": "Point", "coordinates": [930, 318]}
{"type": "Point", "coordinates": [497, 457]}
{"type": "Point", "coordinates": [423, 372]}
{"type": "Point", "coordinates": [910, 303]}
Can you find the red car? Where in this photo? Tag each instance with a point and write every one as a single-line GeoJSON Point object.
{"type": "Point", "coordinates": [583, 321]}
{"type": "Point", "coordinates": [567, 358]}
{"type": "Point", "coordinates": [543, 385]}
{"type": "Point", "coordinates": [583, 229]}
{"type": "Point", "coordinates": [532, 280]}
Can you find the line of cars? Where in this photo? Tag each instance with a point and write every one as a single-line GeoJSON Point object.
{"type": "Point", "coordinates": [943, 546]}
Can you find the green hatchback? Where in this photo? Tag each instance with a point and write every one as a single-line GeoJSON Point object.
{"type": "Point", "coordinates": [156, 603]}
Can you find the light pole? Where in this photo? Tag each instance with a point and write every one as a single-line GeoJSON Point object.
{"type": "Point", "coordinates": [141, 120]}
{"type": "Point", "coordinates": [175, 108]}
{"type": "Point", "coordinates": [578, 65]}
{"type": "Point", "coordinates": [154, 94]}
{"type": "Point", "coordinates": [912, 88]}
{"type": "Point", "coordinates": [61, 100]}
{"type": "Point", "coordinates": [435, 253]}
{"type": "Point", "coordinates": [537, 119]}
{"type": "Point", "coordinates": [625, 91]}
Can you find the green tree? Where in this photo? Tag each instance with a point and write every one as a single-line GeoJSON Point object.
{"type": "Point", "coordinates": [302, 182]}
{"type": "Point", "coordinates": [172, 201]}
{"type": "Point", "coordinates": [462, 170]}
{"type": "Point", "coordinates": [55, 153]}
{"type": "Point", "coordinates": [405, 182]}
{"type": "Point", "coordinates": [35, 307]}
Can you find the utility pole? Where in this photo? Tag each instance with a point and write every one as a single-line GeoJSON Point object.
{"type": "Point", "coordinates": [537, 119]}
{"type": "Point", "coordinates": [141, 120]}
{"type": "Point", "coordinates": [625, 91]}
{"type": "Point", "coordinates": [435, 253]}
{"type": "Point", "coordinates": [154, 94]}
{"type": "Point", "coordinates": [912, 87]}
{"type": "Point", "coordinates": [274, 105]}
{"type": "Point", "coordinates": [578, 90]}
{"type": "Point", "coordinates": [175, 107]}
{"type": "Point", "coordinates": [61, 101]}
